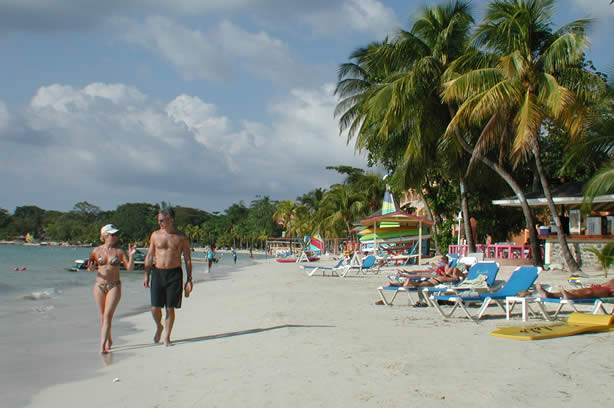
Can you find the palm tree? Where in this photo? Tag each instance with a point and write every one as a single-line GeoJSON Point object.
{"type": "Point", "coordinates": [345, 205]}
{"type": "Point", "coordinates": [284, 214]}
{"type": "Point", "coordinates": [393, 98]}
{"type": "Point", "coordinates": [538, 76]}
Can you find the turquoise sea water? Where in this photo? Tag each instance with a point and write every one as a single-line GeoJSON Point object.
{"type": "Point", "coordinates": [49, 328]}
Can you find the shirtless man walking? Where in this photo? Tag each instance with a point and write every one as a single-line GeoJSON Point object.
{"type": "Point", "coordinates": [167, 244]}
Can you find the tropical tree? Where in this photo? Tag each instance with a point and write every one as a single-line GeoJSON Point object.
{"type": "Point", "coordinates": [391, 96]}
{"type": "Point", "coordinates": [346, 206]}
{"type": "Point", "coordinates": [284, 214]}
{"type": "Point", "coordinates": [537, 76]}
{"type": "Point", "coordinates": [605, 256]}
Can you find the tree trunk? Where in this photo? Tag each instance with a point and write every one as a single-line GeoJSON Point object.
{"type": "Point", "coordinates": [430, 215]}
{"type": "Point", "coordinates": [434, 218]}
{"type": "Point", "coordinates": [571, 263]}
{"type": "Point", "coordinates": [465, 210]}
{"type": "Point", "coordinates": [536, 254]}
{"type": "Point", "coordinates": [463, 192]}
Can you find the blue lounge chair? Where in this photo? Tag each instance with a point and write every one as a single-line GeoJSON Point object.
{"type": "Point", "coordinates": [311, 270]}
{"type": "Point", "coordinates": [600, 305]}
{"type": "Point", "coordinates": [562, 303]}
{"type": "Point", "coordinates": [522, 279]}
{"type": "Point", "coordinates": [489, 269]}
{"type": "Point", "coordinates": [368, 264]}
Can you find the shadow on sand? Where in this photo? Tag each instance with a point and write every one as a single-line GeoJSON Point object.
{"type": "Point", "coordinates": [219, 336]}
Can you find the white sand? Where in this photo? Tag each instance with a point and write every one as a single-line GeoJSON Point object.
{"type": "Point", "coordinates": [269, 336]}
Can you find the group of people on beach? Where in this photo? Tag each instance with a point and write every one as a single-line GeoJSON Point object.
{"type": "Point", "coordinates": [163, 275]}
{"type": "Point", "coordinates": [444, 273]}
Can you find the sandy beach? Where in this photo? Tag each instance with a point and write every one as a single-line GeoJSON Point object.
{"type": "Point", "coordinates": [270, 336]}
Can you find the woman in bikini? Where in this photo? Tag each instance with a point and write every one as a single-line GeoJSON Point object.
{"type": "Point", "coordinates": [106, 259]}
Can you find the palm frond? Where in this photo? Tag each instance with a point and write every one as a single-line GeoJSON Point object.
{"type": "Point", "coordinates": [602, 183]}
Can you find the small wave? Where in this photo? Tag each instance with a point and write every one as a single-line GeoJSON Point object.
{"type": "Point", "coordinates": [41, 295]}
{"type": "Point", "coordinates": [44, 309]}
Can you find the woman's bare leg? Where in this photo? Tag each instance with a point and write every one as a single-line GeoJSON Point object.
{"type": "Point", "coordinates": [111, 301]}
{"type": "Point", "coordinates": [99, 298]}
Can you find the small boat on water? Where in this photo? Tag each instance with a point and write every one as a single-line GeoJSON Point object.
{"type": "Point", "coordinates": [79, 265]}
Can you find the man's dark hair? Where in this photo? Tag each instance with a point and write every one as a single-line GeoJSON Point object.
{"type": "Point", "coordinates": [168, 211]}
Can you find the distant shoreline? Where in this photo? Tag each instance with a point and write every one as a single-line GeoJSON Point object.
{"type": "Point", "coordinates": [46, 243]}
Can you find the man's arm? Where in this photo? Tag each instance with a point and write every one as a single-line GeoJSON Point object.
{"type": "Point", "coordinates": [187, 258]}
{"type": "Point", "coordinates": [149, 260]}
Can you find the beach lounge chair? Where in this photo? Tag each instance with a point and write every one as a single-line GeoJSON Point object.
{"type": "Point", "coordinates": [600, 305]}
{"type": "Point", "coordinates": [521, 280]}
{"type": "Point", "coordinates": [311, 270]}
{"type": "Point", "coordinates": [562, 304]}
{"type": "Point", "coordinates": [489, 269]}
{"type": "Point", "coordinates": [368, 264]}
{"type": "Point", "coordinates": [429, 272]}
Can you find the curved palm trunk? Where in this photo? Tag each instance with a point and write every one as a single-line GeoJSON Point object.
{"type": "Point", "coordinates": [465, 209]}
{"type": "Point", "coordinates": [526, 210]}
{"type": "Point", "coordinates": [463, 193]}
{"type": "Point", "coordinates": [430, 214]}
{"type": "Point", "coordinates": [571, 263]}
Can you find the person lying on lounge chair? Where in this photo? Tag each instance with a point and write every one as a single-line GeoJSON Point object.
{"type": "Point", "coordinates": [453, 275]}
{"type": "Point", "coordinates": [443, 273]}
{"type": "Point", "coordinates": [606, 289]}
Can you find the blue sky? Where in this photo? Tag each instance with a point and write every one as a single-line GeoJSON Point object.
{"type": "Point", "coordinates": [200, 103]}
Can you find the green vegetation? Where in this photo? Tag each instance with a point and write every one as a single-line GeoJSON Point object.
{"type": "Point", "coordinates": [458, 111]}
{"type": "Point", "coordinates": [605, 256]}
{"type": "Point", "coordinates": [450, 101]}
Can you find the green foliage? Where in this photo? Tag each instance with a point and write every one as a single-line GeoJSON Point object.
{"type": "Point", "coordinates": [605, 256]}
{"type": "Point", "coordinates": [135, 220]}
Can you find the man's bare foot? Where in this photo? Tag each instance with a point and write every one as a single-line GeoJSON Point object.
{"type": "Point", "coordinates": [158, 334]}
{"type": "Point", "coordinates": [168, 342]}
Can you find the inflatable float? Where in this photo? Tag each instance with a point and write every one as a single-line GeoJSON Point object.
{"type": "Point", "coordinates": [20, 268]}
{"type": "Point", "coordinates": [577, 323]}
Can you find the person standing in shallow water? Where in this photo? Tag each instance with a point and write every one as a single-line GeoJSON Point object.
{"type": "Point", "coordinates": [210, 255]}
{"type": "Point", "coordinates": [234, 256]}
{"type": "Point", "coordinates": [166, 285]}
{"type": "Point", "coordinates": [105, 260]}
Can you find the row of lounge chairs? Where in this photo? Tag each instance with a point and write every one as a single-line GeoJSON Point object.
{"type": "Point", "coordinates": [448, 299]}
{"type": "Point", "coordinates": [342, 269]}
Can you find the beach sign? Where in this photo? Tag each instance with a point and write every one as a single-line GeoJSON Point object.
{"type": "Point", "coordinates": [577, 323]}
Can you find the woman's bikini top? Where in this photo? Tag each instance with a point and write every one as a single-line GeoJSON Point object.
{"type": "Point", "coordinates": [113, 261]}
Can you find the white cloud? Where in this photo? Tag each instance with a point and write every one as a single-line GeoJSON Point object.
{"type": "Point", "coordinates": [191, 52]}
{"type": "Point", "coordinates": [110, 144]}
{"type": "Point", "coordinates": [4, 116]}
{"type": "Point", "coordinates": [218, 52]}
{"type": "Point", "coordinates": [600, 9]}
{"type": "Point", "coordinates": [370, 16]}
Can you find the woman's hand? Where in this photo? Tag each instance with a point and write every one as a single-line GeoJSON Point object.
{"type": "Point", "coordinates": [132, 249]}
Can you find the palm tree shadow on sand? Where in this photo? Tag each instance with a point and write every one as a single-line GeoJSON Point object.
{"type": "Point", "coordinates": [221, 336]}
